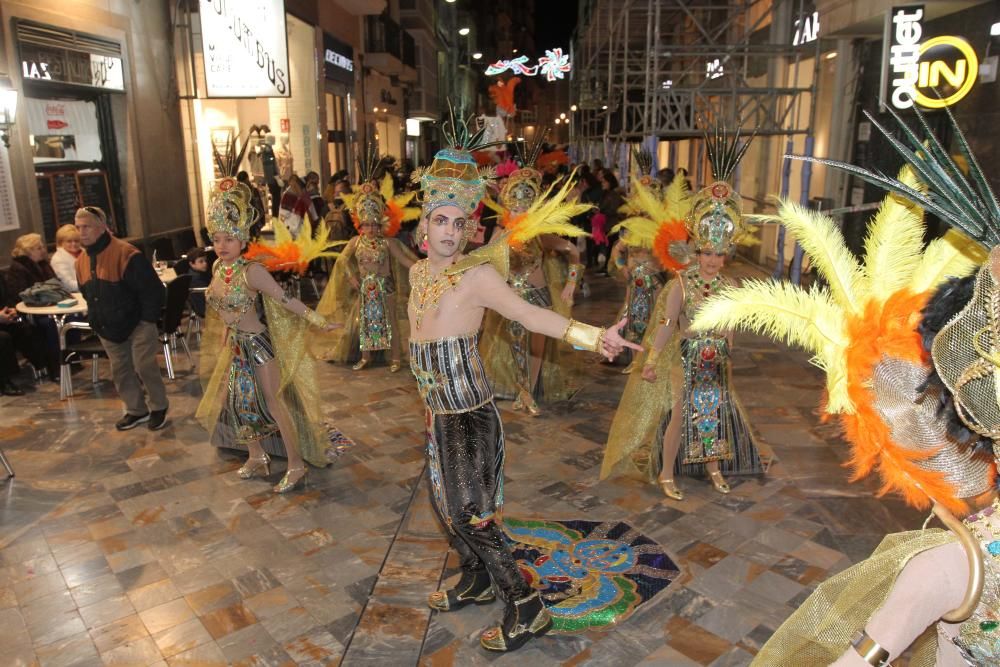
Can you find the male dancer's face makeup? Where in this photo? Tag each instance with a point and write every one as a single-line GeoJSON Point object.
{"type": "Point", "coordinates": [445, 231]}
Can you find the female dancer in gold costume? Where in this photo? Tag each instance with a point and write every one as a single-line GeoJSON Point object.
{"type": "Point", "coordinates": [261, 382]}
{"type": "Point", "coordinates": [515, 358]}
{"type": "Point", "coordinates": [369, 288]}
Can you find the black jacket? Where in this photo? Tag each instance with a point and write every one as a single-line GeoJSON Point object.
{"type": "Point", "coordinates": [120, 287]}
{"type": "Point", "coordinates": [23, 273]}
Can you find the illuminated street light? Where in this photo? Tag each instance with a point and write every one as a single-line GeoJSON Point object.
{"type": "Point", "coordinates": [558, 121]}
{"type": "Point", "coordinates": [477, 55]}
{"type": "Point", "coordinates": [562, 116]}
{"type": "Point", "coordinates": [463, 31]}
{"type": "Point", "coordinates": [604, 108]}
{"type": "Point", "coordinates": [573, 108]}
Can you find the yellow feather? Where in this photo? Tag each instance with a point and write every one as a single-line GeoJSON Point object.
{"type": "Point", "coordinates": [677, 199]}
{"type": "Point", "coordinates": [894, 243]}
{"type": "Point", "coordinates": [647, 202]}
{"type": "Point", "coordinates": [954, 254]}
{"type": "Point", "coordinates": [822, 241]}
{"type": "Point", "coordinates": [387, 188]}
{"type": "Point", "coordinates": [811, 320]}
{"type": "Point", "coordinates": [404, 199]}
{"type": "Point", "coordinates": [493, 205]}
{"type": "Point", "coordinates": [550, 214]}
{"type": "Point", "coordinates": [641, 231]}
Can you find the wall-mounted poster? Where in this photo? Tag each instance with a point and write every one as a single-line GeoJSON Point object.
{"type": "Point", "coordinates": [245, 48]}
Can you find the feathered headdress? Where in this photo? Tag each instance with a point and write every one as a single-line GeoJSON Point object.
{"type": "Point", "coordinates": [229, 209]}
{"type": "Point", "coordinates": [862, 331]}
{"type": "Point", "coordinates": [717, 211]}
{"type": "Point", "coordinates": [660, 221]}
{"type": "Point", "coordinates": [454, 178]}
{"type": "Point", "coordinates": [523, 186]}
{"type": "Point", "coordinates": [502, 94]}
{"type": "Point", "coordinates": [293, 255]}
{"type": "Point", "coordinates": [366, 203]}
{"type": "Point", "coordinates": [549, 214]}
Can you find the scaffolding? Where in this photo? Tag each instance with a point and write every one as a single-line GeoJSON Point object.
{"type": "Point", "coordinates": [660, 69]}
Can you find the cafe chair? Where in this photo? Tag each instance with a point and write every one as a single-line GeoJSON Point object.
{"type": "Point", "coordinates": [6, 465]}
{"type": "Point", "coordinates": [87, 346]}
{"type": "Point", "coordinates": [170, 321]}
{"type": "Point", "coordinates": [194, 320]}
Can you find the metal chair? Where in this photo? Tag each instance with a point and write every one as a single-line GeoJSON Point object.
{"type": "Point", "coordinates": [170, 321]}
{"type": "Point", "coordinates": [3, 460]}
{"type": "Point", "coordinates": [194, 319]}
{"type": "Point", "coordinates": [88, 346]}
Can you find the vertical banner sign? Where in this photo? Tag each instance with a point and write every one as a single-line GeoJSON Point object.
{"type": "Point", "coordinates": [930, 72]}
{"type": "Point", "coordinates": [8, 207]}
{"type": "Point", "coordinates": [245, 48]}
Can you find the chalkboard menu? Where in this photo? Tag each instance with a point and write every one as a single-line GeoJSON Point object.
{"type": "Point", "coordinates": [61, 193]}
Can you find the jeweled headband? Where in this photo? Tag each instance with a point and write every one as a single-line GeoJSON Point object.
{"type": "Point", "coordinates": [368, 205]}
{"type": "Point", "coordinates": [453, 179]}
{"type": "Point", "coordinates": [229, 209]}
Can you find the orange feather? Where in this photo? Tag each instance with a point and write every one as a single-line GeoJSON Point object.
{"type": "Point", "coordinates": [395, 214]}
{"type": "Point", "coordinates": [285, 257]}
{"type": "Point", "coordinates": [669, 233]}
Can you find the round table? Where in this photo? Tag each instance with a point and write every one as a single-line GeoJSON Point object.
{"type": "Point", "coordinates": [56, 312]}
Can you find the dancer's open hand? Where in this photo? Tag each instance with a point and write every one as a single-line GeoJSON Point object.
{"type": "Point", "coordinates": [612, 343]}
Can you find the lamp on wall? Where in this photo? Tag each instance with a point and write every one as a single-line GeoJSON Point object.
{"type": "Point", "coordinates": [8, 109]}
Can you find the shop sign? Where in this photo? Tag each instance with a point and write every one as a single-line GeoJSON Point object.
{"type": "Point", "coordinates": [934, 73]}
{"type": "Point", "coordinates": [245, 48]}
{"type": "Point", "coordinates": [806, 29]}
{"type": "Point", "coordinates": [78, 68]}
{"type": "Point", "coordinates": [338, 60]}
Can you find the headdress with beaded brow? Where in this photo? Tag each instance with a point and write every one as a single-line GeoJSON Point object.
{"type": "Point", "coordinates": [716, 221]}
{"type": "Point", "coordinates": [454, 178]}
{"type": "Point", "coordinates": [229, 209]}
{"type": "Point", "coordinates": [524, 185]}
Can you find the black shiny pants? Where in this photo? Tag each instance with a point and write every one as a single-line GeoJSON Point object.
{"type": "Point", "coordinates": [466, 453]}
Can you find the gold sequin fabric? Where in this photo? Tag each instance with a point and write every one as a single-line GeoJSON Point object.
{"type": "Point", "coordinates": [979, 637]}
{"type": "Point", "coordinates": [426, 290]}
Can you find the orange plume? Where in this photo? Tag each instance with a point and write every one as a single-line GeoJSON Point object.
{"type": "Point", "coordinates": [671, 232]}
{"type": "Point", "coordinates": [394, 212]}
{"type": "Point", "coordinates": [502, 94]}
{"type": "Point", "coordinates": [871, 440]}
{"type": "Point", "coordinates": [285, 257]}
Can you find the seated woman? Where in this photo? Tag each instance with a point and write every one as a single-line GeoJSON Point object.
{"type": "Point", "coordinates": [29, 266]}
{"type": "Point", "coordinates": [63, 262]}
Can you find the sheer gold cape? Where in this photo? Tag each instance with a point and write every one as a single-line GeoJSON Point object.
{"type": "Point", "coordinates": [821, 629]}
{"type": "Point", "coordinates": [298, 391]}
{"type": "Point", "coordinates": [559, 375]}
{"type": "Point", "coordinates": [341, 303]}
{"type": "Point", "coordinates": [633, 448]}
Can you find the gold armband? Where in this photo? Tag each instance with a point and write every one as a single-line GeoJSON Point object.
{"type": "Point", "coordinates": [583, 336]}
{"type": "Point", "coordinates": [314, 318]}
{"type": "Point", "coordinates": [652, 356]}
{"type": "Point", "coordinates": [575, 272]}
{"type": "Point", "coordinates": [869, 650]}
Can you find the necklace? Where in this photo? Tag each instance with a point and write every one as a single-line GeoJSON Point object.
{"type": "Point", "coordinates": [427, 289]}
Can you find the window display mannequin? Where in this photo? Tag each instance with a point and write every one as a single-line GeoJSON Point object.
{"type": "Point", "coordinates": [286, 163]}
{"type": "Point", "coordinates": [269, 164]}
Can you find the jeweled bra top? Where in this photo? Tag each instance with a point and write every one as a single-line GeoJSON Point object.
{"type": "Point", "coordinates": [525, 262]}
{"type": "Point", "coordinates": [371, 251]}
{"type": "Point", "coordinates": [229, 293]}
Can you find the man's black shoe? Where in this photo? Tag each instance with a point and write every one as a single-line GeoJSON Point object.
{"type": "Point", "coordinates": [131, 421]}
{"type": "Point", "coordinates": [157, 420]}
{"type": "Point", "coordinates": [10, 389]}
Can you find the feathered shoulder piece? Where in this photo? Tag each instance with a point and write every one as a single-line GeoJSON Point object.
{"type": "Point", "coordinates": [397, 207]}
{"type": "Point", "coordinates": [862, 331]}
{"type": "Point", "coordinates": [659, 221]}
{"type": "Point", "coordinates": [549, 214]}
{"type": "Point", "coordinates": [956, 187]}
{"type": "Point", "coordinates": [292, 255]}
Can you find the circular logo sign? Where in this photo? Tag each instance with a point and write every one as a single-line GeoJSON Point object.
{"type": "Point", "coordinates": [947, 69]}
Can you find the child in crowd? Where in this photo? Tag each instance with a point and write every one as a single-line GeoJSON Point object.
{"type": "Point", "coordinates": [201, 276]}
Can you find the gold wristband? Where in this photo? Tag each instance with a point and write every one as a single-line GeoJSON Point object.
{"type": "Point", "coordinates": [314, 318]}
{"type": "Point", "coordinates": [652, 356]}
{"type": "Point", "coordinates": [870, 650]}
{"type": "Point", "coordinates": [583, 336]}
{"type": "Point", "coordinates": [575, 271]}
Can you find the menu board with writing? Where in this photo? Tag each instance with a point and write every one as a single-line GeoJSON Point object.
{"type": "Point", "coordinates": [8, 207]}
{"type": "Point", "coordinates": [61, 193]}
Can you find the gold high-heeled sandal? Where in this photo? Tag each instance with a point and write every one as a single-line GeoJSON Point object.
{"type": "Point", "coordinates": [253, 464]}
{"type": "Point", "coordinates": [361, 364]}
{"type": "Point", "coordinates": [670, 489]}
{"type": "Point", "coordinates": [288, 482]}
{"type": "Point", "coordinates": [719, 482]}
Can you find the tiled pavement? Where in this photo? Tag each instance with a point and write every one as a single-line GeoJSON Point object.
{"type": "Point", "coordinates": [145, 548]}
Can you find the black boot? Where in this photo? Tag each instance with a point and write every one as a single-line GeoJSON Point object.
{"type": "Point", "coordinates": [523, 619]}
{"type": "Point", "coordinates": [474, 587]}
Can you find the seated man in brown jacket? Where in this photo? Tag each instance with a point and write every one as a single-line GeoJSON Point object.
{"type": "Point", "coordinates": [124, 297]}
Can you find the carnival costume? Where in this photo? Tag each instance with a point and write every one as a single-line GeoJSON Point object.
{"type": "Point", "coordinates": [929, 430]}
{"type": "Point", "coordinates": [370, 285]}
{"type": "Point", "coordinates": [530, 218]}
{"type": "Point", "coordinates": [465, 446]}
{"type": "Point", "coordinates": [692, 369]}
{"type": "Point", "coordinates": [233, 407]}
{"type": "Point", "coordinates": [655, 222]}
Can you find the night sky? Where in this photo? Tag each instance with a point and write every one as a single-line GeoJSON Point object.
{"type": "Point", "coordinates": [554, 23]}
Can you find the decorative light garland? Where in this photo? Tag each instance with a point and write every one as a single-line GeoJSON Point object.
{"type": "Point", "coordinates": [553, 65]}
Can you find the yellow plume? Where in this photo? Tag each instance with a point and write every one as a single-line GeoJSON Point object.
{"type": "Point", "coordinates": [677, 198]}
{"type": "Point", "coordinates": [641, 231]}
{"type": "Point", "coordinates": [811, 320]}
{"type": "Point", "coordinates": [894, 242]}
{"type": "Point", "coordinates": [550, 214]}
{"type": "Point", "coordinates": [953, 255]}
{"type": "Point", "coordinates": [822, 241]}
{"type": "Point", "coordinates": [387, 188]}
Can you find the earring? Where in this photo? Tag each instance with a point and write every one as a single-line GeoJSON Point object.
{"type": "Point", "coordinates": [423, 243]}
